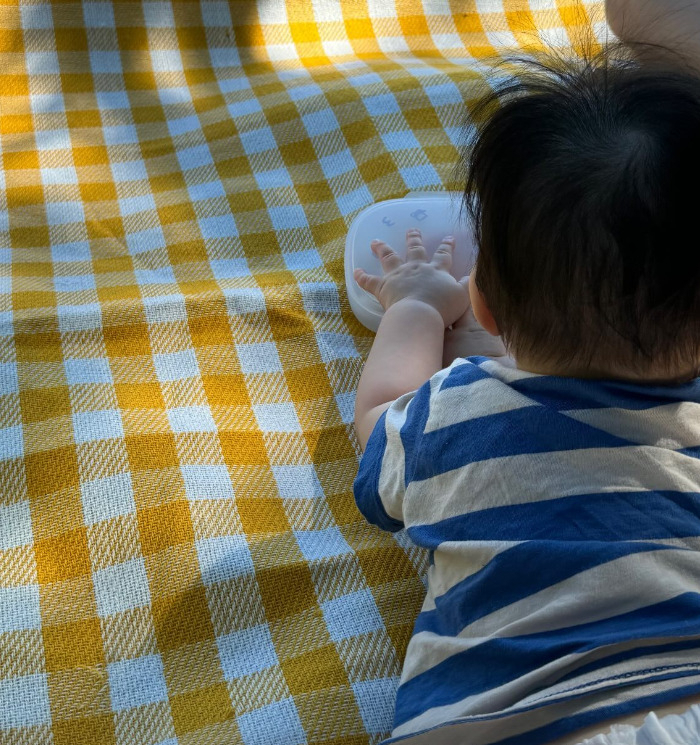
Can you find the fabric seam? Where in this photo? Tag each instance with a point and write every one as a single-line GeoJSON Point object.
{"type": "Point", "coordinates": [621, 676]}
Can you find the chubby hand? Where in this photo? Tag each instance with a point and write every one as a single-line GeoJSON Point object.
{"type": "Point", "coordinates": [466, 337]}
{"type": "Point", "coordinates": [417, 278]}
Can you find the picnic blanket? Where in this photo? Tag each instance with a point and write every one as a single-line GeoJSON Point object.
{"type": "Point", "coordinates": [181, 558]}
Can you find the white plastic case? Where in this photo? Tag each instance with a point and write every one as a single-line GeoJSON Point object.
{"type": "Point", "coordinates": [436, 214]}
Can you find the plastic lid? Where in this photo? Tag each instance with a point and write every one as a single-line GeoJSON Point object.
{"type": "Point", "coordinates": [436, 214]}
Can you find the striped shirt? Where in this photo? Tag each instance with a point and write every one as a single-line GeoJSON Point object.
{"type": "Point", "coordinates": [562, 517]}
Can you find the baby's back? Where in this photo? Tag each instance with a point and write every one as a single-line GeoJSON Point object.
{"type": "Point", "coordinates": [563, 517]}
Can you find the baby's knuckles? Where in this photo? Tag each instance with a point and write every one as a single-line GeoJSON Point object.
{"type": "Point", "coordinates": [424, 282]}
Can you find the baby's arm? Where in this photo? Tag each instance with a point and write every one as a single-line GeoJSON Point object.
{"type": "Point", "coordinates": [671, 23]}
{"type": "Point", "coordinates": [406, 352]}
{"type": "Point", "coordinates": [420, 298]}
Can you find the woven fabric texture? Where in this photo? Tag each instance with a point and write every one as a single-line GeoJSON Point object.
{"type": "Point", "coordinates": [181, 559]}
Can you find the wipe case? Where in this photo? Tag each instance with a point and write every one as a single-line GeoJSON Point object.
{"type": "Point", "coordinates": [435, 214]}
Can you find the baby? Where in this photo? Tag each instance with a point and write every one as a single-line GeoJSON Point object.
{"type": "Point", "coordinates": [555, 477]}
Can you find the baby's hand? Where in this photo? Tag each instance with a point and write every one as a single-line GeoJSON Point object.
{"type": "Point", "coordinates": [417, 278]}
{"type": "Point", "coordinates": [467, 338]}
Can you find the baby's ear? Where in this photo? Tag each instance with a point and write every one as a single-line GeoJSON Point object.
{"type": "Point", "coordinates": [482, 312]}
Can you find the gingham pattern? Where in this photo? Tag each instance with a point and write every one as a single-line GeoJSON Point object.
{"type": "Point", "coordinates": [181, 559]}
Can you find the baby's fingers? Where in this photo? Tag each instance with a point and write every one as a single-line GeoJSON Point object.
{"type": "Point", "coordinates": [389, 259]}
{"type": "Point", "coordinates": [369, 282]}
{"type": "Point", "coordinates": [442, 258]}
{"type": "Point", "coordinates": [415, 250]}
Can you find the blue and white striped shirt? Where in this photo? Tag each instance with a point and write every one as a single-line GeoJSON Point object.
{"type": "Point", "coordinates": [563, 520]}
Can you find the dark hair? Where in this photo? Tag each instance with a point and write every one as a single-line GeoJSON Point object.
{"type": "Point", "coordinates": [582, 189]}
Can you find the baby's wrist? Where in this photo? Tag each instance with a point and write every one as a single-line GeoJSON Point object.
{"type": "Point", "coordinates": [416, 305]}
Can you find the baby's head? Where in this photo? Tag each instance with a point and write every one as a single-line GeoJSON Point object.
{"type": "Point", "coordinates": [582, 187]}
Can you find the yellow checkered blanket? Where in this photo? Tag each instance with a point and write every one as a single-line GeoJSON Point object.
{"type": "Point", "coordinates": [181, 559]}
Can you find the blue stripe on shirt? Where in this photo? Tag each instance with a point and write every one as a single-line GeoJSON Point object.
{"type": "Point", "coordinates": [631, 654]}
{"type": "Point", "coordinates": [606, 516]}
{"type": "Point", "coordinates": [366, 486]}
{"type": "Point", "coordinates": [516, 573]}
{"type": "Point", "coordinates": [565, 394]}
{"type": "Point", "coordinates": [575, 722]}
{"type": "Point", "coordinates": [465, 374]}
{"type": "Point", "coordinates": [498, 661]}
{"type": "Point", "coordinates": [524, 431]}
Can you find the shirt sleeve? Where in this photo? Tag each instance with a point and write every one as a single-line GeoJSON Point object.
{"type": "Point", "coordinates": [387, 463]}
